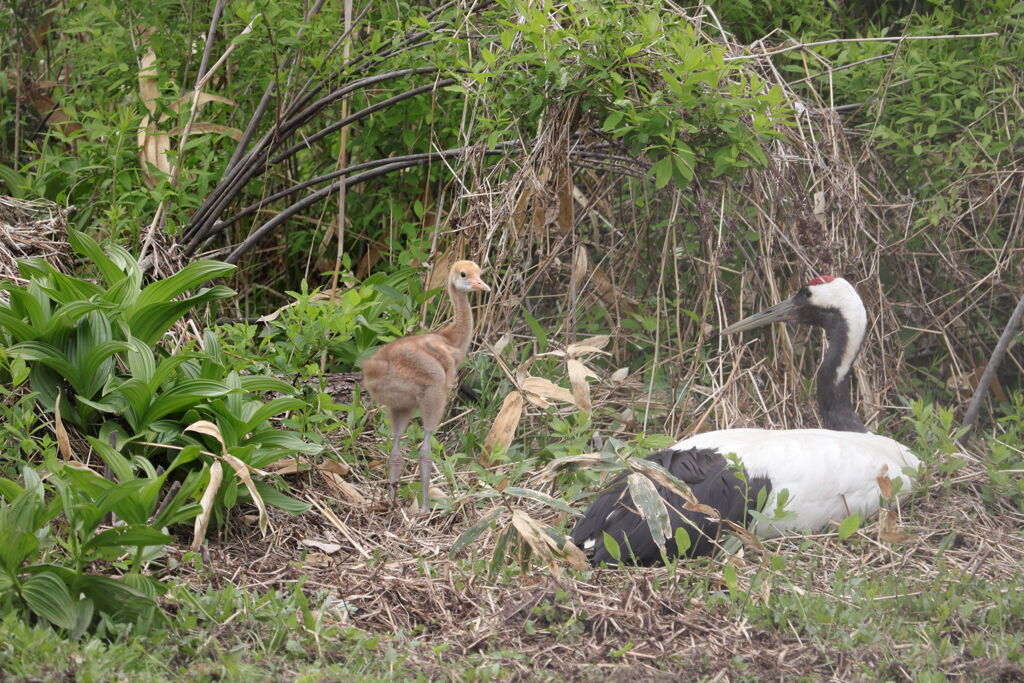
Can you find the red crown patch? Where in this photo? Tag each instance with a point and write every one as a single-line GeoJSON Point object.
{"type": "Point", "coordinates": [824, 279]}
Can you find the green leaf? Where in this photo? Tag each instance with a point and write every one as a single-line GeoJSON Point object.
{"type": "Point", "coordinates": [612, 546]}
{"type": "Point", "coordinates": [48, 355]}
{"type": "Point", "coordinates": [137, 535]}
{"type": "Point", "coordinates": [15, 546]}
{"type": "Point", "coordinates": [189, 277]}
{"type": "Point", "coordinates": [181, 396]}
{"type": "Point", "coordinates": [149, 322]}
{"type": "Point", "coordinates": [473, 532]}
{"type": "Point", "coordinates": [10, 490]}
{"type": "Point", "coordinates": [89, 248]}
{"type": "Point", "coordinates": [275, 498]}
{"type": "Point", "coordinates": [848, 526]}
{"type": "Point", "coordinates": [662, 171]}
{"type": "Point", "coordinates": [682, 539]}
{"type": "Point", "coordinates": [271, 408]}
{"type": "Point", "coordinates": [48, 596]}
{"type": "Point", "coordinates": [120, 466]}
{"type": "Point", "coordinates": [19, 330]}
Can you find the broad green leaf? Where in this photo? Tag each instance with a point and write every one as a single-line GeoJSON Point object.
{"type": "Point", "coordinates": [275, 498]}
{"type": "Point", "coordinates": [181, 396]}
{"type": "Point", "coordinates": [126, 501]}
{"type": "Point", "coordinates": [112, 596]}
{"type": "Point", "coordinates": [48, 596]}
{"type": "Point", "coordinates": [612, 546]}
{"type": "Point", "coordinates": [120, 466]}
{"type": "Point", "coordinates": [19, 330]}
{"type": "Point", "coordinates": [149, 322]}
{"type": "Point", "coordinates": [189, 277]}
{"type": "Point", "coordinates": [15, 546]}
{"type": "Point", "coordinates": [271, 408]}
{"type": "Point", "coordinates": [473, 532]}
{"type": "Point", "coordinates": [131, 535]}
{"type": "Point", "coordinates": [261, 383]}
{"type": "Point", "coordinates": [82, 611]}
{"type": "Point", "coordinates": [682, 538]}
{"type": "Point", "coordinates": [48, 355]}
{"type": "Point", "coordinates": [89, 248]}
{"type": "Point", "coordinates": [848, 526]}
{"type": "Point", "coordinates": [10, 490]}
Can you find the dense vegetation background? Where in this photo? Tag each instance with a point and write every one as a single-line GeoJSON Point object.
{"type": "Point", "coordinates": [633, 176]}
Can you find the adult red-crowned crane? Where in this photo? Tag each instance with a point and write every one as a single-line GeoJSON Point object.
{"type": "Point", "coordinates": [829, 473]}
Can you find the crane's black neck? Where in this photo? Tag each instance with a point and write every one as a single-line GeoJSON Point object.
{"type": "Point", "coordinates": [833, 379]}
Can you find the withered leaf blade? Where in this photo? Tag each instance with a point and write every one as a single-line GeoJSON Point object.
{"type": "Point", "coordinates": [329, 548]}
{"type": "Point", "coordinates": [504, 428]}
{"type": "Point", "coordinates": [578, 374]}
{"type": "Point", "coordinates": [242, 471]}
{"type": "Point", "coordinates": [342, 487]}
{"type": "Point", "coordinates": [549, 472]}
{"type": "Point", "coordinates": [63, 442]}
{"type": "Point", "coordinates": [593, 344]}
{"type": "Point", "coordinates": [620, 374]}
{"type": "Point", "coordinates": [210, 429]}
{"type": "Point", "coordinates": [545, 388]}
{"type": "Point", "coordinates": [335, 466]}
{"type": "Point", "coordinates": [885, 486]}
{"type": "Point", "coordinates": [206, 505]}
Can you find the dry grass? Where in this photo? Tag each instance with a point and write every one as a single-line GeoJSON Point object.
{"type": "Point", "coordinates": [391, 574]}
{"type": "Point", "coordinates": [31, 229]}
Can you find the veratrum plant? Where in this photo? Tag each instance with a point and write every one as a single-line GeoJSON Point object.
{"type": "Point", "coordinates": [43, 566]}
{"type": "Point", "coordinates": [69, 329]}
{"type": "Point", "coordinates": [93, 347]}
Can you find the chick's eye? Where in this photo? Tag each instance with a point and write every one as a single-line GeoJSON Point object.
{"type": "Point", "coordinates": [462, 274]}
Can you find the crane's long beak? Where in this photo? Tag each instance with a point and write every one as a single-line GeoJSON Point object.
{"type": "Point", "coordinates": [477, 283]}
{"type": "Point", "coordinates": [783, 312]}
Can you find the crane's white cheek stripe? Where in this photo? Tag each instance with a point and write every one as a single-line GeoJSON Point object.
{"type": "Point", "coordinates": [840, 295]}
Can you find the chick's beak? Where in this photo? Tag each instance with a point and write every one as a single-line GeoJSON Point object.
{"type": "Point", "coordinates": [477, 283]}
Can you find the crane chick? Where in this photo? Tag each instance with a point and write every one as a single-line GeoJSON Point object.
{"type": "Point", "coordinates": [417, 372]}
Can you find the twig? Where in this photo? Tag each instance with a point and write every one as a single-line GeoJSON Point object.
{"type": "Point", "coordinates": [881, 39]}
{"type": "Point", "coordinates": [990, 370]}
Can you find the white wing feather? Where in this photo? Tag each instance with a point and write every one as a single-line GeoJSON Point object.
{"type": "Point", "coordinates": [829, 475]}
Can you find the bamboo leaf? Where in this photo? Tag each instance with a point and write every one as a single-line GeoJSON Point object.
{"type": "Point", "coordinates": [651, 507]}
{"type": "Point", "coordinates": [504, 428]}
{"type": "Point", "coordinates": [474, 531]}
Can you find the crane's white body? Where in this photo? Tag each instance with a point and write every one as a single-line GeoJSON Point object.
{"type": "Point", "coordinates": [829, 475]}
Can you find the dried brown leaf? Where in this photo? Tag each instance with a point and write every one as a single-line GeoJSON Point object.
{"type": "Point", "coordinates": [885, 486]}
{"type": "Point", "coordinates": [335, 466]}
{"type": "Point", "coordinates": [63, 442]}
{"type": "Point", "coordinates": [206, 504]}
{"type": "Point", "coordinates": [580, 266]}
{"type": "Point", "coordinates": [619, 375]}
{"type": "Point", "coordinates": [578, 374]}
{"type": "Point", "coordinates": [343, 488]}
{"type": "Point", "coordinates": [329, 548]}
{"type": "Point", "coordinates": [545, 388]}
{"type": "Point", "coordinates": [243, 472]}
{"type": "Point", "coordinates": [593, 344]}
{"type": "Point", "coordinates": [210, 429]}
{"type": "Point", "coordinates": [504, 428]}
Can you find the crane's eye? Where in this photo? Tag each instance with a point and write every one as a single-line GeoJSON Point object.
{"type": "Point", "coordinates": [462, 274]}
{"type": "Point", "coordinates": [805, 293]}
